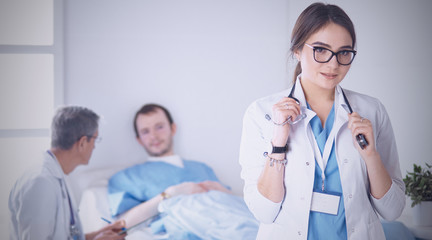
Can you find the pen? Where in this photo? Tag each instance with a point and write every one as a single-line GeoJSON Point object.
{"type": "Point", "coordinates": [146, 222]}
{"type": "Point", "coordinates": [108, 221]}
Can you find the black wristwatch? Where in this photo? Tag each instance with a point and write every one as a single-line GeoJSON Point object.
{"type": "Point", "coordinates": [283, 149]}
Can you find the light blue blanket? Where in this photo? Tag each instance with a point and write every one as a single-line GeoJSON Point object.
{"type": "Point", "coordinates": [210, 215]}
{"type": "Point", "coordinates": [218, 215]}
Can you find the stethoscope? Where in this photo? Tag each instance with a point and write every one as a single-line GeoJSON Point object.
{"type": "Point", "coordinates": [300, 117]}
{"type": "Point", "coordinates": [74, 231]}
{"type": "Point", "coordinates": [361, 140]}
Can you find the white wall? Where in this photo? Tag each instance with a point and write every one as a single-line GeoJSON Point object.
{"type": "Point", "coordinates": [31, 83]}
{"type": "Point", "coordinates": [207, 60]}
{"type": "Point", "coordinates": [204, 60]}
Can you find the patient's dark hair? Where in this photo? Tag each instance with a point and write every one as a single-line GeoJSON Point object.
{"type": "Point", "coordinates": [151, 108]}
{"type": "Point", "coordinates": [311, 20]}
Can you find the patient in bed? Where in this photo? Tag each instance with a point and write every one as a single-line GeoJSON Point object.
{"type": "Point", "coordinates": [187, 195]}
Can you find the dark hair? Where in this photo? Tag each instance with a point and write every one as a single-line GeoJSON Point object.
{"type": "Point", "coordinates": [150, 108]}
{"type": "Point", "coordinates": [312, 19]}
{"type": "Point", "coordinates": [70, 124]}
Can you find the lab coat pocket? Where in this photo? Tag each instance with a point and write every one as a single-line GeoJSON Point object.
{"type": "Point", "coordinates": [273, 231]}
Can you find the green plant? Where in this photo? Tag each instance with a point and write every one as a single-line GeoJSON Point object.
{"type": "Point", "coordinates": [418, 184]}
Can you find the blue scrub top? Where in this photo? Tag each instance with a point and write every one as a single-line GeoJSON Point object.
{"type": "Point", "coordinates": [134, 185]}
{"type": "Point", "coordinates": [322, 225]}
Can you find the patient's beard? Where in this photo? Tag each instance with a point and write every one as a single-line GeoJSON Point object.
{"type": "Point", "coordinates": [163, 153]}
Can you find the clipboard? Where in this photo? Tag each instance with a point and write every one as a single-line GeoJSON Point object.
{"type": "Point", "coordinates": [146, 222]}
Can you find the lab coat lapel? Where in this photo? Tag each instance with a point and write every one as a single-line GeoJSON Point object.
{"type": "Point", "coordinates": [341, 115]}
{"type": "Point", "coordinates": [53, 166]}
{"type": "Point", "coordinates": [304, 125]}
{"type": "Point", "coordinates": [299, 94]}
{"type": "Point", "coordinates": [341, 118]}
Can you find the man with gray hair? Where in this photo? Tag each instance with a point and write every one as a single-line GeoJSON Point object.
{"type": "Point", "coordinates": [40, 203]}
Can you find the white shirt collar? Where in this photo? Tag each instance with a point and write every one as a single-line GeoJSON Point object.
{"type": "Point", "coordinates": [173, 159]}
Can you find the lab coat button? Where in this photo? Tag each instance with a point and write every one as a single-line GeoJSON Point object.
{"type": "Point", "coordinates": [352, 230]}
{"type": "Point", "coordinates": [350, 196]}
{"type": "Point", "coordinates": [299, 233]}
{"type": "Point", "coordinates": [307, 163]}
{"type": "Point", "coordinates": [345, 160]}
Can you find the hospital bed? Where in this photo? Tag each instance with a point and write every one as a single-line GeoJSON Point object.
{"type": "Point", "coordinates": [94, 205]}
{"type": "Point", "coordinates": [227, 214]}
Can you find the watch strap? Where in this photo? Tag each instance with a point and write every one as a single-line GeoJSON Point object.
{"type": "Point", "coordinates": [283, 149]}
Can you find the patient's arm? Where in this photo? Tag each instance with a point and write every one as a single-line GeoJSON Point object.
{"type": "Point", "coordinates": [212, 185]}
{"type": "Point", "coordinates": [185, 188]}
{"type": "Point", "coordinates": [141, 212]}
{"type": "Point", "coordinates": [148, 208]}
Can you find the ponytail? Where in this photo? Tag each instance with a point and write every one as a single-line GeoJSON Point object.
{"type": "Point", "coordinates": [297, 71]}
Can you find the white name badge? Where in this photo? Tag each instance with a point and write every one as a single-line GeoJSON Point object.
{"type": "Point", "coordinates": [325, 203]}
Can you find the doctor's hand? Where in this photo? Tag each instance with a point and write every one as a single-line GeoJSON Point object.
{"type": "Point", "coordinates": [282, 110]}
{"type": "Point", "coordinates": [185, 188]}
{"type": "Point", "coordinates": [359, 125]}
{"type": "Point", "coordinates": [110, 232]}
{"type": "Point", "coordinates": [379, 178]}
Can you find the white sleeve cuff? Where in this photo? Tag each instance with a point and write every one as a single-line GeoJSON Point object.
{"type": "Point", "coordinates": [263, 209]}
{"type": "Point", "coordinates": [390, 206]}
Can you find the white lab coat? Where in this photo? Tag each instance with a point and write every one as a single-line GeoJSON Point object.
{"type": "Point", "coordinates": [289, 219]}
{"type": "Point", "coordinates": [38, 204]}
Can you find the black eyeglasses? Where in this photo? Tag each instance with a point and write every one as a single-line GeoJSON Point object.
{"type": "Point", "coordinates": [323, 55]}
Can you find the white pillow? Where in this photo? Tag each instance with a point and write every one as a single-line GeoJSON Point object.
{"type": "Point", "coordinates": [93, 206]}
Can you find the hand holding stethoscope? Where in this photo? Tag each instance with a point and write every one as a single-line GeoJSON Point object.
{"type": "Point", "coordinates": [283, 111]}
{"type": "Point", "coordinates": [286, 112]}
{"type": "Point", "coordinates": [361, 129]}
{"type": "Point", "coordinates": [354, 126]}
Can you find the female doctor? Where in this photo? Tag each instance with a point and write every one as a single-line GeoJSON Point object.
{"type": "Point", "coordinates": [320, 162]}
